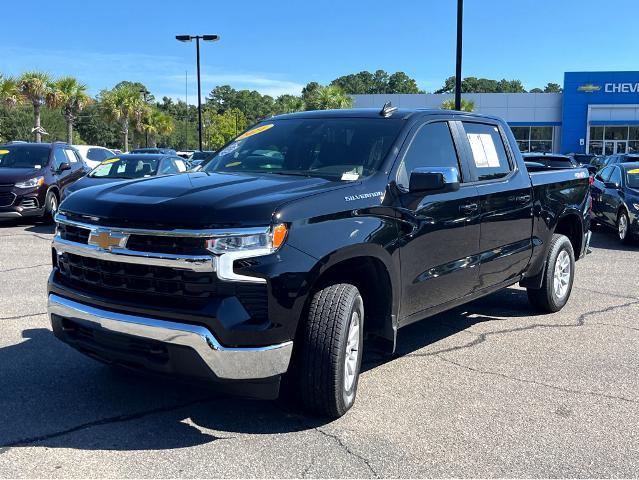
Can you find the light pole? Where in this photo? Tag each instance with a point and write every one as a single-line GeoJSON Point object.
{"type": "Point", "coordinates": [458, 62]}
{"type": "Point", "coordinates": [144, 93]}
{"type": "Point", "coordinates": [206, 38]}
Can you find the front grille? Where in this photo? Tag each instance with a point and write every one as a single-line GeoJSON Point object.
{"type": "Point", "coordinates": [7, 199]}
{"type": "Point", "coordinates": [166, 244]}
{"type": "Point", "coordinates": [29, 203]}
{"type": "Point", "coordinates": [73, 234]}
{"type": "Point", "coordinates": [162, 287]}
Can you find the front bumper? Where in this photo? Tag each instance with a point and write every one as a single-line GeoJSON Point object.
{"type": "Point", "coordinates": [161, 345]}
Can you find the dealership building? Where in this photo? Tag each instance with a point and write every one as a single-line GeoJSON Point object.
{"type": "Point", "coordinates": [598, 112]}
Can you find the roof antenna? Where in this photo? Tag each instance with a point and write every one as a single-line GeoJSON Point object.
{"type": "Point", "coordinates": [387, 110]}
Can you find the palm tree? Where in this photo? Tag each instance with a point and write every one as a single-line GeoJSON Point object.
{"type": "Point", "coordinates": [10, 95]}
{"type": "Point", "coordinates": [36, 88]}
{"type": "Point", "coordinates": [157, 124]}
{"type": "Point", "coordinates": [123, 104]}
{"type": "Point", "coordinates": [72, 97]}
{"type": "Point", "coordinates": [466, 105]}
{"type": "Point", "coordinates": [329, 97]}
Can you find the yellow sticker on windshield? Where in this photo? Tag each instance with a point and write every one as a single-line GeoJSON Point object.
{"type": "Point", "coordinates": [254, 131]}
{"type": "Point", "coordinates": [634, 170]}
{"type": "Point", "coordinates": [111, 160]}
{"type": "Point", "coordinates": [4, 152]}
{"type": "Point", "coordinates": [233, 164]}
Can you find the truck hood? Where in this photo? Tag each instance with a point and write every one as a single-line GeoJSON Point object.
{"type": "Point", "coordinates": [194, 200]}
{"type": "Point", "coordinates": [15, 175]}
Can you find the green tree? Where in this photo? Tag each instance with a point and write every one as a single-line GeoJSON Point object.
{"type": "Point", "coordinates": [466, 105]}
{"type": "Point", "coordinates": [36, 88]}
{"type": "Point", "coordinates": [379, 82]}
{"type": "Point", "coordinates": [220, 128]}
{"type": "Point", "coordinates": [399, 82]}
{"type": "Point", "coordinates": [251, 103]}
{"type": "Point", "coordinates": [483, 85]}
{"type": "Point", "coordinates": [553, 88]}
{"type": "Point", "coordinates": [288, 104]}
{"type": "Point", "coordinates": [72, 97]}
{"type": "Point", "coordinates": [536, 90]}
{"type": "Point", "coordinates": [10, 94]}
{"type": "Point", "coordinates": [157, 124]}
{"type": "Point", "coordinates": [329, 97]}
{"type": "Point", "coordinates": [123, 104]}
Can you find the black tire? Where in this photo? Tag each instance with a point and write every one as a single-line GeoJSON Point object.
{"type": "Point", "coordinates": [321, 368]}
{"type": "Point", "coordinates": [51, 204]}
{"type": "Point", "coordinates": [626, 237]}
{"type": "Point", "coordinates": [546, 298]}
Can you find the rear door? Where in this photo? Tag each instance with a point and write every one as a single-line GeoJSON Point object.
{"type": "Point", "coordinates": [505, 197]}
{"type": "Point", "coordinates": [597, 192]}
{"type": "Point", "coordinates": [610, 199]}
{"type": "Point", "coordinates": [441, 235]}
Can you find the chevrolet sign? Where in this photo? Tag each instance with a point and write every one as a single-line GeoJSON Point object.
{"type": "Point", "coordinates": [622, 88]}
{"type": "Point", "coordinates": [589, 88]}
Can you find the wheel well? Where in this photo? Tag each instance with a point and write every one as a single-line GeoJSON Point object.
{"type": "Point", "coordinates": [621, 209]}
{"type": "Point", "coordinates": [55, 191]}
{"type": "Point", "coordinates": [570, 226]}
{"type": "Point", "coordinates": [373, 281]}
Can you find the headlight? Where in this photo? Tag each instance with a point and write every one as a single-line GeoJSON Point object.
{"type": "Point", "coordinates": [267, 242]}
{"type": "Point", "coordinates": [31, 183]}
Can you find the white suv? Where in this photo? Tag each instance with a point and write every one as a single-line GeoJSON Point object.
{"type": "Point", "coordinates": [94, 155]}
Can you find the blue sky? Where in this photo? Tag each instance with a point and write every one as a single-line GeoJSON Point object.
{"type": "Point", "coordinates": [278, 46]}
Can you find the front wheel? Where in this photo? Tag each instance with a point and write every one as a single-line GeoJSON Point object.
{"type": "Point", "coordinates": [623, 227]}
{"type": "Point", "coordinates": [331, 350]}
{"type": "Point", "coordinates": [558, 278]}
{"type": "Point", "coordinates": [50, 207]}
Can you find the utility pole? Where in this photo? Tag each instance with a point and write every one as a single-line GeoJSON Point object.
{"type": "Point", "coordinates": [458, 62]}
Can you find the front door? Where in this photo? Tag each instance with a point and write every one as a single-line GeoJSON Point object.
{"type": "Point", "coordinates": [506, 203]}
{"type": "Point", "coordinates": [441, 235]}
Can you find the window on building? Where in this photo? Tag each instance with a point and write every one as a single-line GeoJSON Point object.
{"type": "Point", "coordinates": [533, 138]}
{"type": "Point", "coordinates": [613, 139]}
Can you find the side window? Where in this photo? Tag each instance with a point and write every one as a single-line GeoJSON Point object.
{"type": "Point", "coordinates": [167, 167]}
{"type": "Point", "coordinates": [71, 158]}
{"type": "Point", "coordinates": [432, 146]}
{"type": "Point", "coordinates": [59, 158]}
{"type": "Point", "coordinates": [615, 177]}
{"type": "Point", "coordinates": [488, 151]}
{"type": "Point", "coordinates": [95, 154]}
{"type": "Point", "coordinates": [604, 175]}
{"type": "Point", "coordinates": [179, 163]}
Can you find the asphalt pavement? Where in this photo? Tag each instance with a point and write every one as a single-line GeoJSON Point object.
{"type": "Point", "coordinates": [490, 389]}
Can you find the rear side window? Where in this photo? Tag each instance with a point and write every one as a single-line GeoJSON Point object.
{"type": "Point", "coordinates": [432, 146]}
{"type": "Point", "coordinates": [616, 176]}
{"type": "Point", "coordinates": [70, 156]}
{"type": "Point", "coordinates": [488, 151]}
{"type": "Point", "coordinates": [96, 154]}
{"type": "Point", "coordinates": [604, 175]}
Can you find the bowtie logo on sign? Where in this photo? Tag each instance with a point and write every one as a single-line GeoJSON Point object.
{"type": "Point", "coordinates": [589, 88]}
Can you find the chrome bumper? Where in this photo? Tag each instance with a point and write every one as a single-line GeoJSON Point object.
{"type": "Point", "coordinates": [225, 363]}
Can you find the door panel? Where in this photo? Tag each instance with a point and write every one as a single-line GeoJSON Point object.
{"type": "Point", "coordinates": [610, 199]}
{"type": "Point", "coordinates": [440, 234]}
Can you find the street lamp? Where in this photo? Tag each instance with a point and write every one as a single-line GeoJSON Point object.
{"type": "Point", "coordinates": [206, 38]}
{"type": "Point", "coordinates": [458, 60]}
{"type": "Point", "coordinates": [144, 93]}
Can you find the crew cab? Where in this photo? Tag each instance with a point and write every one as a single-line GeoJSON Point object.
{"type": "Point", "coordinates": [306, 235]}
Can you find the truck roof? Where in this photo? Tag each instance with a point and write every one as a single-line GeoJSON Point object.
{"type": "Point", "coordinates": [376, 113]}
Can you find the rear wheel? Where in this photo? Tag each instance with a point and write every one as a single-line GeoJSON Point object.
{"type": "Point", "coordinates": [331, 350]}
{"type": "Point", "coordinates": [558, 278]}
{"type": "Point", "coordinates": [623, 227]}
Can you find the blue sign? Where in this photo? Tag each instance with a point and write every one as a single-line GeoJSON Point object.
{"type": "Point", "coordinates": [593, 88]}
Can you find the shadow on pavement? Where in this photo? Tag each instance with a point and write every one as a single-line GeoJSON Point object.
{"type": "Point", "coordinates": [47, 228]}
{"type": "Point", "coordinates": [52, 396]}
{"type": "Point", "coordinates": [606, 238]}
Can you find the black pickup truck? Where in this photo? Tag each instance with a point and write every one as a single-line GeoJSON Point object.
{"type": "Point", "coordinates": [306, 235]}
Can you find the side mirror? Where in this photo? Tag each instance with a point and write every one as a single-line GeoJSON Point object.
{"type": "Point", "coordinates": [434, 179]}
{"type": "Point", "coordinates": [611, 185]}
{"type": "Point", "coordinates": [64, 166]}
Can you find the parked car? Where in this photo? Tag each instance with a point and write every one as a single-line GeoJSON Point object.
{"type": "Point", "coordinates": [551, 160]}
{"type": "Point", "coordinates": [200, 157]}
{"type": "Point", "coordinates": [33, 176]}
{"type": "Point", "coordinates": [127, 167]}
{"type": "Point", "coordinates": [165, 151]}
{"type": "Point", "coordinates": [597, 163]}
{"type": "Point", "coordinates": [93, 155]}
{"type": "Point", "coordinates": [615, 199]}
{"type": "Point", "coordinates": [302, 236]}
{"type": "Point", "coordinates": [620, 158]}
{"type": "Point", "coordinates": [186, 154]}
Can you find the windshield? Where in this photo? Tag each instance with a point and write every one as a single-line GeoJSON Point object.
{"type": "Point", "coordinates": [335, 148]}
{"type": "Point", "coordinates": [632, 178]}
{"type": "Point", "coordinates": [201, 155]}
{"type": "Point", "coordinates": [131, 167]}
{"type": "Point", "coordinates": [24, 157]}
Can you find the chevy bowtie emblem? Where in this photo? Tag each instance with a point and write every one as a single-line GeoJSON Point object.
{"type": "Point", "coordinates": [106, 239]}
{"type": "Point", "coordinates": [589, 88]}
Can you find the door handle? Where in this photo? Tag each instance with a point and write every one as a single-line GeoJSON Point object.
{"type": "Point", "coordinates": [522, 198]}
{"type": "Point", "coordinates": [469, 208]}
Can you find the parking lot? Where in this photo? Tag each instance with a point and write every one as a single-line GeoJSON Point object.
{"type": "Point", "coordinates": [488, 389]}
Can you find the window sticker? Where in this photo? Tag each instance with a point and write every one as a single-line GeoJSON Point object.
{"type": "Point", "coordinates": [4, 152]}
{"type": "Point", "coordinates": [230, 148]}
{"type": "Point", "coordinates": [255, 131]}
{"type": "Point", "coordinates": [112, 160]}
{"type": "Point", "coordinates": [484, 151]}
{"type": "Point", "coordinates": [634, 171]}
{"type": "Point", "coordinates": [37, 167]}
{"type": "Point", "coordinates": [350, 176]}
{"type": "Point", "coordinates": [233, 164]}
